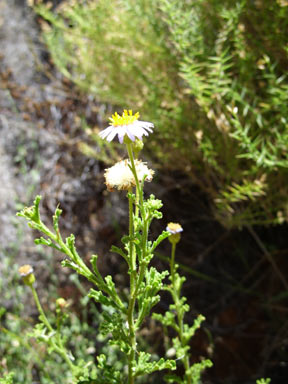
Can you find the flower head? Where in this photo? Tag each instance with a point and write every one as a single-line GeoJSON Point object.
{"type": "Point", "coordinates": [121, 177]}
{"type": "Point", "coordinates": [26, 272]}
{"type": "Point", "coordinates": [175, 229]}
{"type": "Point", "coordinates": [61, 303]}
{"type": "Point", "coordinates": [127, 124]}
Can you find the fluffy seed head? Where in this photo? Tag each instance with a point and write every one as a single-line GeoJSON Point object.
{"type": "Point", "coordinates": [121, 177]}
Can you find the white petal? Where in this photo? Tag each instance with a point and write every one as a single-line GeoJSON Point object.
{"type": "Point", "coordinates": [112, 134]}
{"type": "Point", "coordinates": [135, 129]}
{"type": "Point", "coordinates": [105, 132]}
{"type": "Point", "coordinates": [148, 129]}
{"type": "Point", "coordinates": [130, 132]}
{"type": "Point", "coordinates": [145, 125]}
{"type": "Point", "coordinates": [121, 134]}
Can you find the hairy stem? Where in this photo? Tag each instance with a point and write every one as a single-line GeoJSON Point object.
{"type": "Point", "coordinates": [172, 264]}
{"type": "Point", "coordinates": [40, 309]}
{"type": "Point", "coordinates": [133, 169]}
{"type": "Point", "coordinates": [60, 349]}
{"type": "Point", "coordinates": [180, 315]}
{"type": "Point", "coordinates": [131, 305]}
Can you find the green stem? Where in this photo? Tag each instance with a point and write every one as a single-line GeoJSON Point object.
{"type": "Point", "coordinates": [137, 203]}
{"type": "Point", "coordinates": [134, 282]}
{"type": "Point", "coordinates": [135, 279]}
{"type": "Point", "coordinates": [58, 348]}
{"type": "Point", "coordinates": [96, 279]}
{"type": "Point", "coordinates": [180, 315]}
{"type": "Point", "coordinates": [172, 264]}
{"type": "Point", "coordinates": [40, 309]}
{"type": "Point", "coordinates": [131, 158]}
{"type": "Point", "coordinates": [132, 253]}
{"type": "Point", "coordinates": [61, 350]}
{"type": "Point", "coordinates": [131, 304]}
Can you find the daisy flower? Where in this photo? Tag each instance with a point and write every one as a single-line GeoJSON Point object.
{"type": "Point", "coordinates": [121, 177]}
{"type": "Point", "coordinates": [127, 124]}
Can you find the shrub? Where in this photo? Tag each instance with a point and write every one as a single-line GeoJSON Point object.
{"type": "Point", "coordinates": [210, 74]}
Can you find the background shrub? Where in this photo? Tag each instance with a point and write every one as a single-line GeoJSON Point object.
{"type": "Point", "coordinates": [211, 75]}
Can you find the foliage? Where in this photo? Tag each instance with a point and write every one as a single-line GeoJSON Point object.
{"type": "Point", "coordinates": [211, 74]}
{"type": "Point", "coordinates": [18, 338]}
{"type": "Point", "coordinates": [174, 318]}
{"type": "Point", "coordinates": [263, 381]}
{"type": "Point", "coordinates": [8, 379]}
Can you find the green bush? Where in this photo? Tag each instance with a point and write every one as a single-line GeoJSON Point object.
{"type": "Point", "coordinates": [210, 74]}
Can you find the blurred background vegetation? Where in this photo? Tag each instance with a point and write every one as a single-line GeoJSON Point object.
{"type": "Point", "coordinates": [212, 76]}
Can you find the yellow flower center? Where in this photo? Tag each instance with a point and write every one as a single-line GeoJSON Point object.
{"type": "Point", "coordinates": [126, 118]}
{"type": "Point", "coordinates": [25, 270]}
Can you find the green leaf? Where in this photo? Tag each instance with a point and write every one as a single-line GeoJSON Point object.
{"type": "Point", "coordinates": [195, 371]}
{"type": "Point", "coordinates": [100, 298]}
{"type": "Point", "coordinates": [70, 243]}
{"type": "Point", "coordinates": [147, 296]}
{"type": "Point", "coordinates": [93, 261]}
{"type": "Point", "coordinates": [71, 264]}
{"type": "Point", "coordinates": [113, 325]}
{"type": "Point", "coordinates": [7, 379]}
{"type": "Point", "coordinates": [120, 252]}
{"type": "Point", "coordinates": [32, 213]}
{"type": "Point", "coordinates": [145, 366]}
{"type": "Point", "coordinates": [125, 240]}
{"type": "Point", "coordinates": [48, 243]}
{"type": "Point", "coordinates": [160, 238]}
{"type": "Point", "coordinates": [189, 332]}
{"type": "Point", "coordinates": [56, 217]}
{"type": "Point", "coordinates": [263, 381]}
{"type": "Point", "coordinates": [173, 379]}
{"type": "Point", "coordinates": [168, 319]}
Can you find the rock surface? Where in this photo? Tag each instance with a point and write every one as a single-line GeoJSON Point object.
{"type": "Point", "coordinates": [39, 149]}
{"type": "Point", "coordinates": [17, 69]}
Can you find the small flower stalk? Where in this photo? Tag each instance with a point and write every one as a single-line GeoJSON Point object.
{"type": "Point", "coordinates": [174, 318]}
{"type": "Point", "coordinates": [50, 336]}
{"type": "Point", "coordinates": [123, 315]}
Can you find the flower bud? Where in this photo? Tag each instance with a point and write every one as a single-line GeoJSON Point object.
{"type": "Point", "coordinates": [61, 303]}
{"type": "Point", "coordinates": [137, 147]}
{"type": "Point", "coordinates": [26, 272]}
{"type": "Point", "coordinates": [175, 230]}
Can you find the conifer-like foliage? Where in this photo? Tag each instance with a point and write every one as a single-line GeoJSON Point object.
{"type": "Point", "coordinates": [213, 76]}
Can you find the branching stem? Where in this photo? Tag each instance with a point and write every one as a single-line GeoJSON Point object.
{"type": "Point", "coordinates": [60, 349]}
{"type": "Point", "coordinates": [180, 313]}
